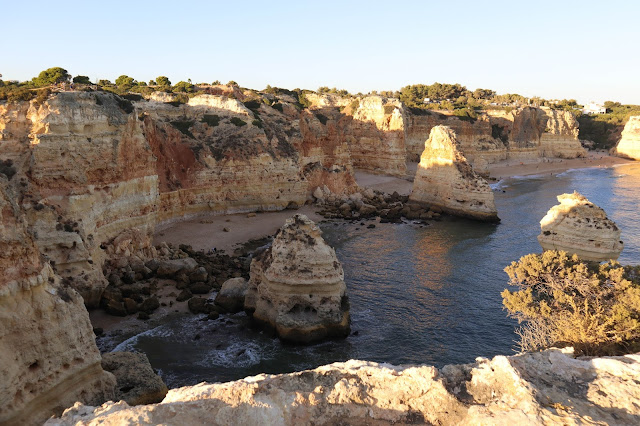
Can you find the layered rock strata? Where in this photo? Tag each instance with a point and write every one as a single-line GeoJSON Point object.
{"type": "Point", "coordinates": [550, 387]}
{"type": "Point", "coordinates": [445, 180]}
{"type": "Point", "coordinates": [377, 134]}
{"type": "Point", "coordinates": [629, 144]}
{"type": "Point", "coordinates": [48, 355]}
{"type": "Point", "coordinates": [525, 133]}
{"type": "Point", "coordinates": [296, 286]}
{"type": "Point", "coordinates": [578, 226]}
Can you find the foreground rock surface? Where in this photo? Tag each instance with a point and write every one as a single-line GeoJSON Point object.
{"type": "Point", "coordinates": [578, 226]}
{"type": "Point", "coordinates": [297, 286]}
{"type": "Point", "coordinates": [550, 387]}
{"type": "Point", "coordinates": [137, 383]}
{"type": "Point", "coordinates": [629, 145]}
{"type": "Point", "coordinates": [445, 180]}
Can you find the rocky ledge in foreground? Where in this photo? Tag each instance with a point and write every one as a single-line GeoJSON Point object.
{"type": "Point", "coordinates": [549, 387]}
{"type": "Point", "coordinates": [578, 226]}
{"type": "Point", "coordinates": [445, 180]}
{"type": "Point", "coordinates": [296, 286]}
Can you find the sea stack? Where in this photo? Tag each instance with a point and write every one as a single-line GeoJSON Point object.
{"type": "Point", "coordinates": [578, 226]}
{"type": "Point", "coordinates": [296, 286]}
{"type": "Point", "coordinates": [445, 180]}
{"type": "Point", "coordinates": [629, 145]}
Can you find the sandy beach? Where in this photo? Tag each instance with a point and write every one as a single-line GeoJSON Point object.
{"type": "Point", "coordinates": [510, 168]}
{"type": "Point", "coordinates": [209, 232]}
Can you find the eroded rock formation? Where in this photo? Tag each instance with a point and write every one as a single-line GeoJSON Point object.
{"type": "Point", "coordinates": [297, 287]}
{"type": "Point", "coordinates": [137, 383]}
{"type": "Point", "coordinates": [48, 355]}
{"type": "Point", "coordinates": [578, 226]}
{"type": "Point", "coordinates": [446, 181]}
{"type": "Point", "coordinates": [550, 387]}
{"type": "Point", "coordinates": [629, 145]}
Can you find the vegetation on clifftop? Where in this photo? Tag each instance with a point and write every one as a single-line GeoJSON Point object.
{"type": "Point", "coordinates": [563, 300]}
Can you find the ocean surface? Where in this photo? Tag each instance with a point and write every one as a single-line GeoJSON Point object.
{"type": "Point", "coordinates": [419, 294]}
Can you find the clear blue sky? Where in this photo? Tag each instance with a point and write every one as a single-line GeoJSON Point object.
{"type": "Point", "coordinates": [586, 50]}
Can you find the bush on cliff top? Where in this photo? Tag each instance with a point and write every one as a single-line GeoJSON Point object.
{"type": "Point", "coordinates": [565, 301]}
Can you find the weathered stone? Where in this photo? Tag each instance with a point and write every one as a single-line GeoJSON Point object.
{"type": "Point", "coordinates": [297, 286]}
{"type": "Point", "coordinates": [446, 180]}
{"type": "Point", "coordinates": [184, 295]}
{"type": "Point", "coordinates": [137, 383]}
{"type": "Point", "coordinates": [231, 295]}
{"type": "Point", "coordinates": [629, 144]}
{"type": "Point", "coordinates": [199, 288]}
{"type": "Point", "coordinates": [150, 304]}
{"type": "Point", "coordinates": [548, 388]}
{"type": "Point", "coordinates": [578, 226]}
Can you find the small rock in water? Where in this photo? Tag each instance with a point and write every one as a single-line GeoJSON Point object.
{"type": "Point", "coordinates": [197, 337]}
{"type": "Point", "coordinates": [355, 333]}
{"type": "Point", "coordinates": [225, 229]}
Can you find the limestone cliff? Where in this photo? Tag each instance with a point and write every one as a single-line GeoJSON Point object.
{"type": "Point", "coordinates": [524, 133]}
{"type": "Point", "coordinates": [474, 136]}
{"type": "Point", "coordinates": [377, 135]}
{"type": "Point", "coordinates": [549, 388]}
{"type": "Point", "coordinates": [297, 285]}
{"type": "Point", "coordinates": [445, 180]}
{"type": "Point", "coordinates": [629, 145]}
{"type": "Point", "coordinates": [48, 356]}
{"type": "Point", "coordinates": [88, 174]}
{"type": "Point", "coordinates": [578, 226]}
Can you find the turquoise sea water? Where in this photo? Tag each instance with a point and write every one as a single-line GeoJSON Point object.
{"type": "Point", "coordinates": [428, 295]}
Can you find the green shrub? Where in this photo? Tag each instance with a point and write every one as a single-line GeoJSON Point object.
{"type": "Point", "coordinates": [565, 301]}
{"type": "Point", "coordinates": [81, 79]}
{"type": "Point", "coordinates": [7, 168]}
{"type": "Point", "coordinates": [51, 76]}
{"type": "Point", "coordinates": [211, 120]}
{"type": "Point", "coordinates": [124, 104]}
{"type": "Point", "coordinates": [238, 122]}
{"type": "Point", "coordinates": [253, 104]}
{"type": "Point", "coordinates": [303, 101]}
{"type": "Point", "coordinates": [388, 109]}
{"type": "Point", "coordinates": [278, 106]}
{"type": "Point", "coordinates": [183, 126]}
{"type": "Point", "coordinates": [257, 123]}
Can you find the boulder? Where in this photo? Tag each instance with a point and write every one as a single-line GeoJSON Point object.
{"type": "Point", "coordinates": [232, 294]}
{"type": "Point", "coordinates": [171, 267]}
{"type": "Point", "coordinates": [136, 382]}
{"type": "Point", "coordinates": [578, 226]}
{"type": "Point", "coordinates": [296, 286]}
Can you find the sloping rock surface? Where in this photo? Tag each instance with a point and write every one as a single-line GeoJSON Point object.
{"type": "Point", "coordinates": [550, 387]}
{"type": "Point", "coordinates": [629, 145]}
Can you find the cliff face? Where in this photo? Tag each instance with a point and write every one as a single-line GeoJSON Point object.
{"type": "Point", "coordinates": [474, 136]}
{"type": "Point", "coordinates": [525, 133]}
{"type": "Point", "coordinates": [48, 356]}
{"type": "Point", "coordinates": [89, 174]}
{"type": "Point", "coordinates": [549, 387]}
{"type": "Point", "coordinates": [377, 136]}
{"type": "Point", "coordinates": [297, 285]}
{"type": "Point", "coordinates": [445, 180]}
{"type": "Point", "coordinates": [629, 145]}
{"type": "Point", "coordinates": [578, 226]}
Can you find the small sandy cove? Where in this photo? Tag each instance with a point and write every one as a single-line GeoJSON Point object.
{"type": "Point", "coordinates": [209, 232]}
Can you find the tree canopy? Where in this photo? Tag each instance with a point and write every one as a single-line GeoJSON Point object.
{"type": "Point", "coordinates": [81, 79]}
{"type": "Point", "coordinates": [125, 81]}
{"type": "Point", "coordinates": [163, 81]}
{"type": "Point", "coordinates": [55, 75]}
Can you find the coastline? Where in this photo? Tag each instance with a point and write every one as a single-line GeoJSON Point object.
{"type": "Point", "coordinates": [205, 233]}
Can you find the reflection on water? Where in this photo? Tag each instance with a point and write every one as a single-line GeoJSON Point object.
{"type": "Point", "coordinates": [418, 294]}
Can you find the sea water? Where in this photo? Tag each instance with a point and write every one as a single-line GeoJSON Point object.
{"type": "Point", "coordinates": [419, 294]}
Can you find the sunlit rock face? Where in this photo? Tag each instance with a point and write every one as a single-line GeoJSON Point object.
{"type": "Point", "coordinates": [377, 135]}
{"type": "Point", "coordinates": [297, 285]}
{"type": "Point", "coordinates": [546, 388]}
{"type": "Point", "coordinates": [578, 226]}
{"type": "Point", "coordinates": [87, 173]}
{"type": "Point", "coordinates": [629, 145]}
{"type": "Point", "coordinates": [474, 136]}
{"type": "Point", "coordinates": [48, 355]}
{"type": "Point", "coordinates": [446, 181]}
